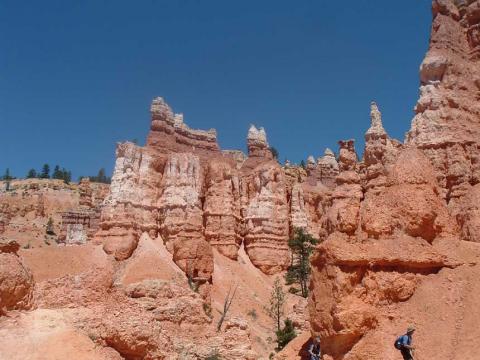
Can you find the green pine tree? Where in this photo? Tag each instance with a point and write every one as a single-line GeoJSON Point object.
{"type": "Point", "coordinates": [277, 300]}
{"type": "Point", "coordinates": [32, 173]}
{"type": "Point", "coordinates": [274, 152]}
{"type": "Point", "coordinates": [57, 173]}
{"type": "Point", "coordinates": [7, 177]}
{"type": "Point", "coordinates": [66, 176]}
{"type": "Point", "coordinates": [302, 246]}
{"type": "Point", "coordinates": [45, 174]}
{"type": "Point", "coordinates": [101, 176]}
{"type": "Point", "coordinates": [286, 334]}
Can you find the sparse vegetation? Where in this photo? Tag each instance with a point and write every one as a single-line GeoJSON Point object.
{"type": "Point", "coordinates": [274, 152]}
{"type": "Point", "coordinates": [49, 229]}
{"type": "Point", "coordinates": [194, 285]}
{"type": "Point", "coordinates": [277, 300]}
{"type": "Point", "coordinates": [45, 173]}
{"type": "Point", "coordinates": [62, 174]}
{"type": "Point", "coordinates": [32, 174]}
{"type": "Point", "coordinates": [253, 314]}
{"type": "Point", "coordinates": [214, 355]}
{"type": "Point", "coordinates": [207, 309]}
{"type": "Point", "coordinates": [293, 290]}
{"type": "Point", "coordinates": [7, 177]}
{"type": "Point", "coordinates": [301, 245]}
{"type": "Point", "coordinates": [226, 306]}
{"type": "Point", "coordinates": [285, 334]}
{"type": "Point", "coordinates": [101, 177]}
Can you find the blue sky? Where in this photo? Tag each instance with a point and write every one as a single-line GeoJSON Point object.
{"type": "Point", "coordinates": [78, 76]}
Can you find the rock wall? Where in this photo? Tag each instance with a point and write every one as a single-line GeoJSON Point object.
{"type": "Point", "coordinates": [397, 217]}
{"type": "Point", "coordinates": [26, 209]}
{"type": "Point", "coordinates": [447, 121]}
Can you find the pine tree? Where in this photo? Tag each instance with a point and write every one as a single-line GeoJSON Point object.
{"type": "Point", "coordinates": [286, 334]}
{"type": "Point", "coordinates": [277, 300]}
{"type": "Point", "coordinates": [49, 229]}
{"type": "Point", "coordinates": [301, 245]}
{"type": "Point", "coordinates": [57, 173]}
{"type": "Point", "coordinates": [101, 176]}
{"type": "Point", "coordinates": [302, 164]}
{"type": "Point", "coordinates": [31, 174]}
{"type": "Point", "coordinates": [7, 179]}
{"type": "Point", "coordinates": [274, 152]}
{"type": "Point", "coordinates": [45, 174]}
{"type": "Point", "coordinates": [66, 176]}
{"type": "Point", "coordinates": [7, 176]}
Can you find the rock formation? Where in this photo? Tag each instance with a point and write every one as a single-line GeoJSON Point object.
{"type": "Point", "coordinates": [184, 221]}
{"type": "Point", "coordinates": [182, 187]}
{"type": "Point", "coordinates": [328, 167]}
{"type": "Point", "coordinates": [257, 143]}
{"type": "Point", "coordinates": [81, 223]}
{"type": "Point", "coordinates": [16, 281]}
{"type": "Point", "coordinates": [29, 205]}
{"type": "Point", "coordinates": [397, 217]}
{"type": "Point", "coordinates": [380, 150]}
{"type": "Point", "coordinates": [446, 126]}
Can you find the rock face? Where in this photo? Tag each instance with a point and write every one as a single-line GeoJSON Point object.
{"type": "Point", "coordinates": [381, 246]}
{"type": "Point", "coordinates": [397, 218]}
{"type": "Point", "coordinates": [81, 223]}
{"type": "Point", "coordinates": [30, 204]}
{"type": "Point", "coordinates": [265, 213]}
{"type": "Point", "coordinates": [223, 222]}
{"type": "Point", "coordinates": [447, 122]}
{"type": "Point", "coordinates": [16, 281]}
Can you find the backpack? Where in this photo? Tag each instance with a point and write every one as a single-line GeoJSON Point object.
{"type": "Point", "coordinates": [398, 343]}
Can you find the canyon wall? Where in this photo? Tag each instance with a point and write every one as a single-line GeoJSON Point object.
{"type": "Point", "coordinates": [393, 255]}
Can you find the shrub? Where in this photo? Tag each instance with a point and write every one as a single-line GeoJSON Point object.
{"type": "Point", "coordinates": [214, 355]}
{"type": "Point", "coordinates": [207, 308]}
{"type": "Point", "coordinates": [253, 314]}
{"type": "Point", "coordinates": [285, 334]}
{"type": "Point", "coordinates": [293, 290]}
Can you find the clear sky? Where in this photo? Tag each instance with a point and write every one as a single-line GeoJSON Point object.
{"type": "Point", "coordinates": [78, 76]}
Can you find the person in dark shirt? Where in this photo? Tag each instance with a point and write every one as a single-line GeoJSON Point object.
{"type": "Point", "coordinates": [406, 346]}
{"type": "Point", "coordinates": [314, 349]}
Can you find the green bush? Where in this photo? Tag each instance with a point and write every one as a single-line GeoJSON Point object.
{"type": "Point", "coordinates": [285, 334]}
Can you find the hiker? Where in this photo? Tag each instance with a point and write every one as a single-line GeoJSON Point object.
{"type": "Point", "coordinates": [404, 344]}
{"type": "Point", "coordinates": [314, 350]}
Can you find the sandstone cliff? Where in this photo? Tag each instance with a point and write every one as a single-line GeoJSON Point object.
{"type": "Point", "coordinates": [394, 252]}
